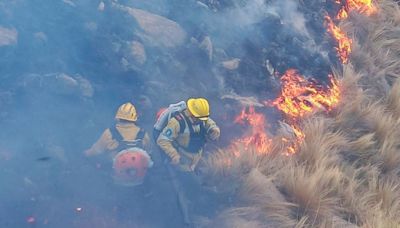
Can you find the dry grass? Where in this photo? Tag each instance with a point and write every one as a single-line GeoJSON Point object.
{"type": "Point", "coordinates": [392, 101]}
{"type": "Point", "coordinates": [312, 193]}
{"type": "Point", "coordinates": [321, 145]}
{"type": "Point", "coordinates": [346, 172]}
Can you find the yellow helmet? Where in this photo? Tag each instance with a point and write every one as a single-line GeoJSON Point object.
{"type": "Point", "coordinates": [126, 112]}
{"type": "Point", "coordinates": [199, 108]}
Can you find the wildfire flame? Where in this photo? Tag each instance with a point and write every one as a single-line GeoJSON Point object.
{"type": "Point", "coordinates": [362, 6]}
{"type": "Point", "coordinates": [344, 43]}
{"type": "Point", "coordinates": [291, 149]}
{"type": "Point", "coordinates": [257, 136]}
{"type": "Point", "coordinates": [300, 96]}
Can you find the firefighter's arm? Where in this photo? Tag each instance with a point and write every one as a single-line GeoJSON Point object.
{"type": "Point", "coordinates": [213, 131]}
{"type": "Point", "coordinates": [167, 137]}
{"type": "Point", "coordinates": [105, 142]}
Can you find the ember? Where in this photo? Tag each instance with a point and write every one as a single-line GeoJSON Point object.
{"type": "Point", "coordinates": [31, 220]}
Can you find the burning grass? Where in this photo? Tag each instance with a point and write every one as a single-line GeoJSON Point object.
{"type": "Point", "coordinates": [346, 169]}
{"type": "Point", "coordinates": [300, 96]}
{"type": "Point", "coordinates": [361, 6]}
{"type": "Point", "coordinates": [344, 43]}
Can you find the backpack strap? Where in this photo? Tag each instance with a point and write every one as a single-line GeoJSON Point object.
{"type": "Point", "coordinates": [197, 139]}
{"type": "Point", "coordinates": [124, 144]}
{"type": "Point", "coordinates": [191, 130]}
{"type": "Point", "coordinates": [115, 133]}
{"type": "Point", "coordinates": [181, 119]}
{"type": "Point", "coordinates": [140, 134]}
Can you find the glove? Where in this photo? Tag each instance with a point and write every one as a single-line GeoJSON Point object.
{"type": "Point", "coordinates": [214, 133]}
{"type": "Point", "coordinates": [176, 160]}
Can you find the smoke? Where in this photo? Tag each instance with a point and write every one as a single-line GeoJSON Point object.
{"type": "Point", "coordinates": [289, 16]}
{"type": "Point", "coordinates": [67, 65]}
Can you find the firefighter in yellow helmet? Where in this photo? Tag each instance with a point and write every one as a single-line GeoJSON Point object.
{"type": "Point", "coordinates": [118, 140]}
{"type": "Point", "coordinates": [186, 132]}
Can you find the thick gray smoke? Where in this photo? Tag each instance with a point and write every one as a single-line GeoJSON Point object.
{"type": "Point", "coordinates": [66, 65]}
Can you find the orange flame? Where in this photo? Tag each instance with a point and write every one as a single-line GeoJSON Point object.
{"type": "Point", "coordinates": [344, 43]}
{"type": "Point", "coordinates": [300, 96]}
{"type": "Point", "coordinates": [342, 14]}
{"type": "Point", "coordinates": [299, 138]}
{"type": "Point", "coordinates": [257, 136]}
{"type": "Point", "coordinates": [362, 6]}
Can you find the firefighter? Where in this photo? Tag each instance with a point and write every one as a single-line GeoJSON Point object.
{"type": "Point", "coordinates": [186, 133]}
{"type": "Point", "coordinates": [128, 145]}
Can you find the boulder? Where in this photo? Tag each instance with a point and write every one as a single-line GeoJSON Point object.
{"type": "Point", "coordinates": [156, 30]}
{"type": "Point", "coordinates": [59, 83]}
{"type": "Point", "coordinates": [138, 52]}
{"type": "Point", "coordinates": [40, 36]}
{"type": "Point", "coordinates": [8, 36]}
{"type": "Point", "coordinates": [207, 46]}
{"type": "Point", "coordinates": [69, 2]}
{"type": "Point", "coordinates": [101, 6]}
{"type": "Point", "coordinates": [232, 64]}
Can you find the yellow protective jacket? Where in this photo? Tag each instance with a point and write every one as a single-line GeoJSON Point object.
{"type": "Point", "coordinates": [108, 143]}
{"type": "Point", "coordinates": [174, 141]}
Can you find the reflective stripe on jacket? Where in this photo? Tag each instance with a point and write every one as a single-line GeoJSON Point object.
{"type": "Point", "coordinates": [108, 143]}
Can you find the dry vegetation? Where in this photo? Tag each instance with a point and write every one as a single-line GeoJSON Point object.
{"type": "Point", "coordinates": [346, 172]}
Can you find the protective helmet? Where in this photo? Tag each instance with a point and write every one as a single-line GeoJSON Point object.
{"type": "Point", "coordinates": [127, 112]}
{"type": "Point", "coordinates": [199, 108]}
{"type": "Point", "coordinates": [130, 166]}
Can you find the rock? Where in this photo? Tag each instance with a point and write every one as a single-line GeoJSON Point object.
{"type": "Point", "coordinates": [155, 29]}
{"type": "Point", "coordinates": [207, 46]}
{"type": "Point", "coordinates": [244, 101]}
{"type": "Point", "coordinates": [286, 130]}
{"type": "Point", "coordinates": [85, 86]}
{"type": "Point", "coordinates": [69, 2]}
{"type": "Point", "coordinates": [56, 152]}
{"type": "Point", "coordinates": [116, 47]}
{"type": "Point", "coordinates": [124, 63]}
{"type": "Point", "coordinates": [91, 26]}
{"type": "Point", "coordinates": [232, 64]}
{"type": "Point", "coordinates": [269, 67]}
{"type": "Point", "coordinates": [202, 5]}
{"type": "Point", "coordinates": [194, 41]}
{"type": "Point", "coordinates": [8, 36]}
{"type": "Point", "coordinates": [138, 52]}
{"type": "Point", "coordinates": [40, 36]}
{"type": "Point", "coordinates": [59, 83]}
{"type": "Point", "coordinates": [220, 55]}
{"type": "Point", "coordinates": [101, 6]}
